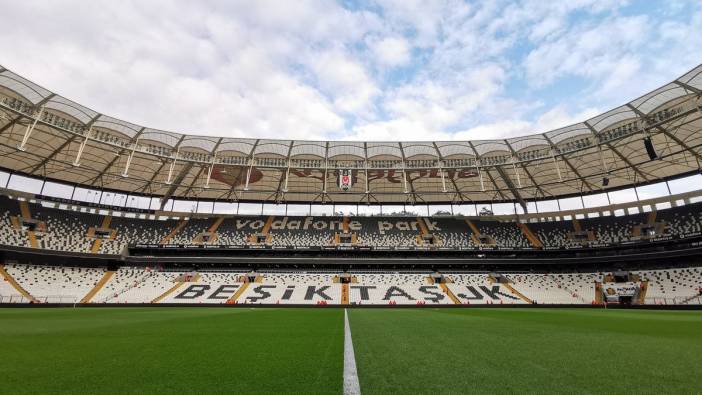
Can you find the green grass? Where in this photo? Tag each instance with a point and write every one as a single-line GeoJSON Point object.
{"type": "Point", "coordinates": [527, 350]}
{"type": "Point", "coordinates": [241, 350]}
{"type": "Point", "coordinates": [171, 350]}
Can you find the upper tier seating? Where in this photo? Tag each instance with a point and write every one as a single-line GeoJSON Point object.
{"type": "Point", "coordinates": [9, 235]}
{"type": "Point", "coordinates": [613, 229]}
{"type": "Point", "coordinates": [682, 220]}
{"type": "Point", "coordinates": [229, 234]}
{"type": "Point", "coordinates": [505, 234]}
{"type": "Point", "coordinates": [67, 230]}
{"type": "Point", "coordinates": [454, 232]}
{"type": "Point", "coordinates": [194, 227]}
{"type": "Point", "coordinates": [370, 233]}
{"type": "Point", "coordinates": [552, 234]}
{"type": "Point", "coordinates": [301, 238]}
{"type": "Point", "coordinates": [136, 231]}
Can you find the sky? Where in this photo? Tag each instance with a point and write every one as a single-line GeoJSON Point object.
{"type": "Point", "coordinates": [352, 70]}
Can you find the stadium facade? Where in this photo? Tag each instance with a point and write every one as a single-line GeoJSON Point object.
{"type": "Point", "coordinates": [130, 243]}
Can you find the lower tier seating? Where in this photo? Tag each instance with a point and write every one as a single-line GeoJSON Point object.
{"type": "Point", "coordinates": [57, 284]}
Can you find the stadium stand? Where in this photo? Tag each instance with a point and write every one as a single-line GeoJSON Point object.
{"type": "Point", "coordinates": [193, 228]}
{"type": "Point", "coordinates": [674, 285]}
{"type": "Point", "coordinates": [543, 289]}
{"type": "Point", "coordinates": [9, 235]}
{"type": "Point", "coordinates": [553, 233]}
{"type": "Point", "coordinates": [228, 233]}
{"type": "Point", "coordinates": [144, 286]}
{"type": "Point", "coordinates": [136, 231]}
{"type": "Point", "coordinates": [613, 230]}
{"type": "Point", "coordinates": [55, 284]}
{"type": "Point", "coordinates": [682, 221]}
{"type": "Point", "coordinates": [606, 154]}
{"type": "Point", "coordinates": [454, 232]}
{"type": "Point", "coordinates": [384, 232]}
{"type": "Point", "coordinates": [137, 286]}
{"type": "Point", "coordinates": [305, 231]}
{"type": "Point", "coordinates": [478, 288]}
{"type": "Point", "coordinates": [69, 230]}
{"type": "Point", "coordinates": [8, 292]}
{"type": "Point", "coordinates": [504, 234]}
{"type": "Point", "coordinates": [580, 285]}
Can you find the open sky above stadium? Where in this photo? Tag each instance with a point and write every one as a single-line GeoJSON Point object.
{"type": "Point", "coordinates": [388, 70]}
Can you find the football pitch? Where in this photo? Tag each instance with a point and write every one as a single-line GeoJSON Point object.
{"type": "Point", "coordinates": [286, 350]}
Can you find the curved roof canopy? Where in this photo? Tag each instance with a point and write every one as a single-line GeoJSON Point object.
{"type": "Point", "coordinates": [45, 135]}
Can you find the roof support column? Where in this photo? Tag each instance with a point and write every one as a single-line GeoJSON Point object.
{"type": "Point", "coordinates": [555, 164]}
{"type": "Point", "coordinates": [125, 173]}
{"type": "Point", "coordinates": [30, 129]}
{"type": "Point", "coordinates": [170, 170]}
{"type": "Point", "coordinates": [214, 160]}
{"type": "Point", "coordinates": [365, 165]}
{"type": "Point", "coordinates": [516, 173]}
{"type": "Point", "coordinates": [287, 176]}
{"type": "Point", "coordinates": [209, 171]}
{"type": "Point", "coordinates": [404, 177]}
{"type": "Point", "coordinates": [326, 168]}
{"type": "Point", "coordinates": [602, 159]}
{"type": "Point", "coordinates": [511, 187]}
{"type": "Point", "coordinates": [248, 172]}
{"type": "Point", "coordinates": [443, 179]}
{"type": "Point", "coordinates": [453, 182]}
{"type": "Point", "coordinates": [76, 162]}
{"type": "Point", "coordinates": [480, 174]}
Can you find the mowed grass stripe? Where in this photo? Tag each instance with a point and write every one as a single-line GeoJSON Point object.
{"type": "Point", "coordinates": [526, 351]}
{"type": "Point", "coordinates": [172, 350]}
{"type": "Point", "coordinates": [351, 385]}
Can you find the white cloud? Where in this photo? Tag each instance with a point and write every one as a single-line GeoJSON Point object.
{"type": "Point", "coordinates": [552, 119]}
{"type": "Point", "coordinates": [391, 51]}
{"type": "Point", "coordinates": [344, 80]}
{"type": "Point", "coordinates": [589, 52]}
{"type": "Point", "coordinates": [394, 130]}
{"type": "Point", "coordinates": [396, 70]}
{"type": "Point", "coordinates": [227, 76]}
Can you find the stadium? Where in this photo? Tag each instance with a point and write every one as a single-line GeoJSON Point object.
{"type": "Point", "coordinates": [140, 260]}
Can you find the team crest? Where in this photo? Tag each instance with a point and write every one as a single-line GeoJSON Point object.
{"type": "Point", "coordinates": [345, 180]}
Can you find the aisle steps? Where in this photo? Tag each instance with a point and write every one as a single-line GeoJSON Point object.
{"type": "Point", "coordinates": [27, 214]}
{"type": "Point", "coordinates": [531, 237]}
{"type": "Point", "coordinates": [519, 294]}
{"type": "Point", "coordinates": [238, 293]}
{"type": "Point", "coordinates": [16, 285]}
{"type": "Point", "coordinates": [450, 294]}
{"type": "Point", "coordinates": [475, 235]}
{"type": "Point", "coordinates": [100, 284]}
{"type": "Point", "coordinates": [175, 231]}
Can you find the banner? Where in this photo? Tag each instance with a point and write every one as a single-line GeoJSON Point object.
{"type": "Point", "coordinates": [615, 290]}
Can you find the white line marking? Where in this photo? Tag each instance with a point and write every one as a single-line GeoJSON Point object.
{"type": "Point", "coordinates": [351, 386]}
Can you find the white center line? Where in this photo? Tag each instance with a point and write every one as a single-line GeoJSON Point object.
{"type": "Point", "coordinates": [351, 386]}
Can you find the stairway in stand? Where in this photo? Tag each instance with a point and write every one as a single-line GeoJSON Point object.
{"type": "Point", "coordinates": [16, 285]}
{"type": "Point", "coordinates": [100, 284]}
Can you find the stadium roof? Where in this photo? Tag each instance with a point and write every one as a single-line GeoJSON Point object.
{"type": "Point", "coordinates": [45, 135]}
